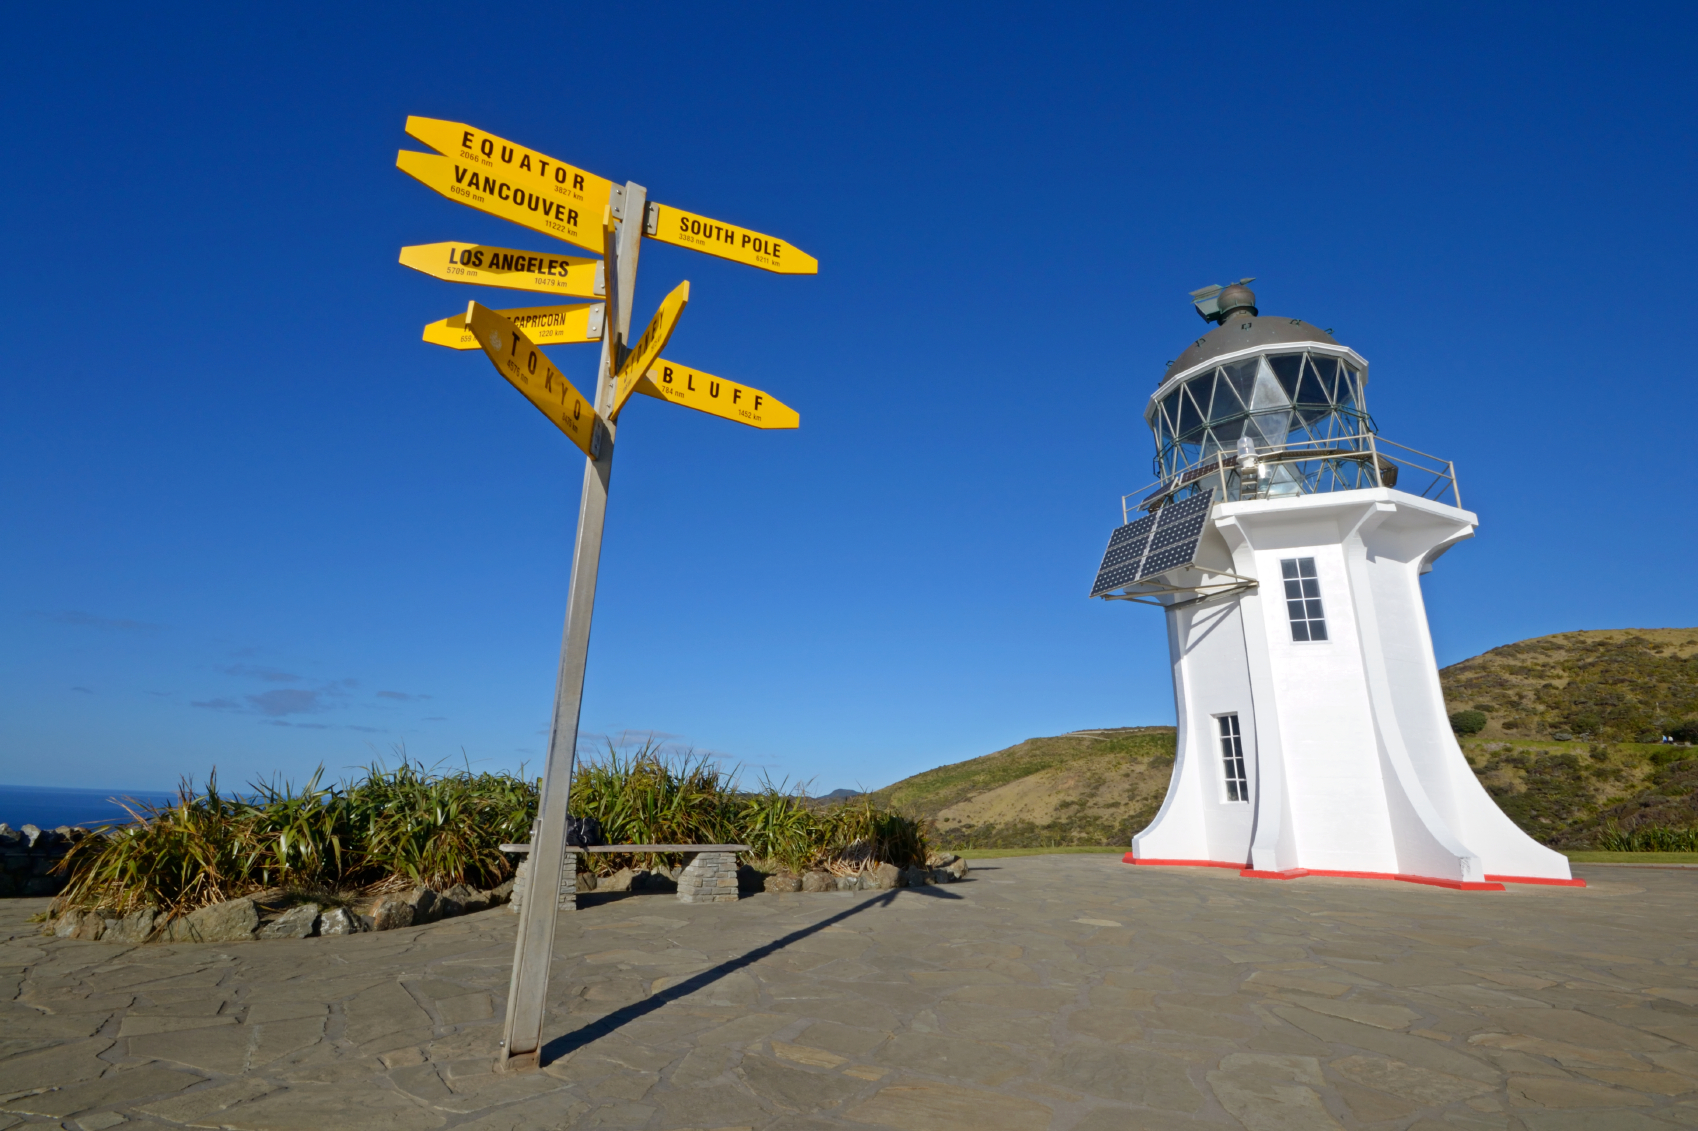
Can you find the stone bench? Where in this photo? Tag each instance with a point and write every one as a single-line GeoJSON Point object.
{"type": "Point", "coordinates": [709, 877]}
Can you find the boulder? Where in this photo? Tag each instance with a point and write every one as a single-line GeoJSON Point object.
{"type": "Point", "coordinates": [750, 879]}
{"type": "Point", "coordinates": [940, 859]}
{"type": "Point", "coordinates": [231, 921]}
{"type": "Point", "coordinates": [425, 910]}
{"type": "Point", "coordinates": [502, 892]}
{"type": "Point", "coordinates": [917, 877]}
{"type": "Point", "coordinates": [136, 927]}
{"type": "Point", "coordinates": [848, 883]}
{"type": "Point", "coordinates": [31, 834]}
{"type": "Point", "coordinates": [339, 921]}
{"type": "Point", "coordinates": [659, 880]}
{"type": "Point", "coordinates": [618, 881]}
{"type": "Point", "coordinates": [469, 898]}
{"type": "Point", "coordinates": [85, 925]}
{"type": "Point", "coordinates": [782, 882]}
{"type": "Point", "coordinates": [296, 923]}
{"type": "Point", "coordinates": [9, 837]}
{"type": "Point", "coordinates": [957, 868]}
{"type": "Point", "coordinates": [819, 881]}
{"type": "Point", "coordinates": [887, 876]}
{"type": "Point", "coordinates": [390, 913]}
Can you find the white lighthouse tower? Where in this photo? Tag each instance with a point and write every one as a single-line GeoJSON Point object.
{"type": "Point", "coordinates": [1286, 540]}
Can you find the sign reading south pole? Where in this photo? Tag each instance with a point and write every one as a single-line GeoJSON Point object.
{"type": "Point", "coordinates": [570, 276]}
{"type": "Point", "coordinates": [728, 241]}
{"type": "Point", "coordinates": [502, 178]}
{"type": "Point", "coordinates": [528, 370]}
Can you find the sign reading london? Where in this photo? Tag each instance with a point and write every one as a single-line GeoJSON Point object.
{"type": "Point", "coordinates": [570, 276]}
{"type": "Point", "coordinates": [648, 347]}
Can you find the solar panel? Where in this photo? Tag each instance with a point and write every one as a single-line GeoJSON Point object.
{"type": "Point", "coordinates": [1161, 541]}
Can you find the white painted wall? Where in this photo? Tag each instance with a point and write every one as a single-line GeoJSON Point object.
{"type": "Point", "coordinates": [1353, 764]}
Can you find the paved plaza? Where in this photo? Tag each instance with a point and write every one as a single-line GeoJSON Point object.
{"type": "Point", "coordinates": [1071, 993]}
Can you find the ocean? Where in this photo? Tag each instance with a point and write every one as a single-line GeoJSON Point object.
{"type": "Point", "coordinates": [49, 807]}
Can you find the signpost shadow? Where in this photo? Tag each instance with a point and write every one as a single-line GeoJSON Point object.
{"type": "Point", "coordinates": [568, 1043]}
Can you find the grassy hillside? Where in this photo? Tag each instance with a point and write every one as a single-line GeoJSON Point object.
{"type": "Point", "coordinates": [1558, 752]}
{"type": "Point", "coordinates": [1087, 787]}
{"type": "Point", "coordinates": [1618, 685]}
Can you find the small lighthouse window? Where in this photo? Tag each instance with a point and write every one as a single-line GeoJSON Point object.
{"type": "Point", "coordinates": [1303, 599]}
{"type": "Point", "coordinates": [1232, 759]}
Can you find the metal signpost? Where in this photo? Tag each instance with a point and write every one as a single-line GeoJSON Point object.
{"type": "Point", "coordinates": [494, 175]}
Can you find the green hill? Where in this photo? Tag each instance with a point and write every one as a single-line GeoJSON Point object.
{"type": "Point", "coordinates": [1558, 752]}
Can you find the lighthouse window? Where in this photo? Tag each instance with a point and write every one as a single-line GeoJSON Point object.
{"type": "Point", "coordinates": [1232, 758]}
{"type": "Point", "coordinates": [1303, 599]}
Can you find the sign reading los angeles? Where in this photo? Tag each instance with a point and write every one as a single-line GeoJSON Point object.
{"type": "Point", "coordinates": [691, 388]}
{"type": "Point", "coordinates": [528, 370]}
{"type": "Point", "coordinates": [544, 325]}
{"type": "Point", "coordinates": [570, 276]}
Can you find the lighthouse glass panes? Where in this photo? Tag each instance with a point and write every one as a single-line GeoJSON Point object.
{"type": "Point", "coordinates": [1293, 400]}
{"type": "Point", "coordinates": [1303, 599]}
{"type": "Point", "coordinates": [1232, 759]}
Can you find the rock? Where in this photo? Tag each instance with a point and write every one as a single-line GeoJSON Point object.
{"type": "Point", "coordinates": [502, 892]}
{"type": "Point", "coordinates": [296, 923]}
{"type": "Point", "coordinates": [940, 859]}
{"type": "Point", "coordinates": [9, 836]}
{"type": "Point", "coordinates": [86, 925]}
{"type": "Point", "coordinates": [848, 883]}
{"type": "Point", "coordinates": [390, 913]}
{"type": "Point", "coordinates": [136, 927]}
{"type": "Point", "coordinates": [31, 834]}
{"type": "Point", "coordinates": [958, 868]}
{"type": "Point", "coordinates": [618, 881]}
{"type": "Point", "coordinates": [586, 881]}
{"type": "Point", "coordinates": [231, 921]}
{"type": "Point", "coordinates": [750, 879]}
{"type": "Point", "coordinates": [447, 908]}
{"type": "Point", "coordinates": [782, 882]}
{"type": "Point", "coordinates": [887, 876]}
{"type": "Point", "coordinates": [917, 877]}
{"type": "Point", "coordinates": [469, 898]}
{"type": "Point", "coordinates": [660, 880]}
{"type": "Point", "coordinates": [425, 910]}
{"type": "Point", "coordinates": [339, 921]}
{"type": "Point", "coordinates": [819, 881]}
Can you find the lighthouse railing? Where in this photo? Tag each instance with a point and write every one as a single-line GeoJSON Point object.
{"type": "Point", "coordinates": [1308, 467]}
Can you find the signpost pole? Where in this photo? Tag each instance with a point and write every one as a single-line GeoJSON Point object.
{"type": "Point", "coordinates": [527, 995]}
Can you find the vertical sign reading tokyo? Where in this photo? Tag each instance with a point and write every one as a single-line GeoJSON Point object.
{"type": "Point", "coordinates": [553, 198]}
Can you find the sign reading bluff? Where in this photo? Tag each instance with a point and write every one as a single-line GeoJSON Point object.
{"type": "Point", "coordinates": [691, 388]}
{"type": "Point", "coordinates": [528, 370]}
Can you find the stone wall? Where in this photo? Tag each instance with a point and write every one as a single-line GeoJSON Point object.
{"type": "Point", "coordinates": [28, 856]}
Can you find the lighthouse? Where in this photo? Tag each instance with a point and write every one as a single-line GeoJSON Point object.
{"type": "Point", "coordinates": [1285, 541]}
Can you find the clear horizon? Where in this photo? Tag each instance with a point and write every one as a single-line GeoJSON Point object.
{"type": "Point", "coordinates": [255, 523]}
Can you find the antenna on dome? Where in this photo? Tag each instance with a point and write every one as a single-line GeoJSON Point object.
{"type": "Point", "coordinates": [1216, 303]}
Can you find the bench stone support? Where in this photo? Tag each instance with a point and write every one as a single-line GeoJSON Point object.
{"type": "Point", "coordinates": [709, 878]}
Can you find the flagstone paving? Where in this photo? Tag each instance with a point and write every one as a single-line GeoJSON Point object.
{"type": "Point", "coordinates": [1059, 993]}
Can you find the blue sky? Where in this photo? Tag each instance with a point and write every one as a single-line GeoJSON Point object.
{"type": "Point", "coordinates": [251, 521]}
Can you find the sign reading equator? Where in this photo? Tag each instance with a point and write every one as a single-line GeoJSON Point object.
{"type": "Point", "coordinates": [728, 241]}
{"type": "Point", "coordinates": [570, 276]}
{"type": "Point", "coordinates": [528, 370]}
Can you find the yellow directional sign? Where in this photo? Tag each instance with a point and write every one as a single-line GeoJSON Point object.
{"type": "Point", "coordinates": [570, 276]}
{"type": "Point", "coordinates": [517, 358]}
{"type": "Point", "coordinates": [669, 381]}
{"type": "Point", "coordinates": [648, 346]}
{"type": "Point", "coordinates": [544, 325]}
{"type": "Point", "coordinates": [532, 180]}
{"type": "Point", "coordinates": [497, 194]}
{"type": "Point", "coordinates": [687, 229]}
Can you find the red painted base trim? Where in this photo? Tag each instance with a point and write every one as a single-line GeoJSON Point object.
{"type": "Point", "coordinates": [1538, 880]}
{"type": "Point", "coordinates": [1431, 881]}
{"type": "Point", "coordinates": [1131, 859]}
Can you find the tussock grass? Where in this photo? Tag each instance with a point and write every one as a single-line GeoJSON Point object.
{"type": "Point", "coordinates": [397, 828]}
